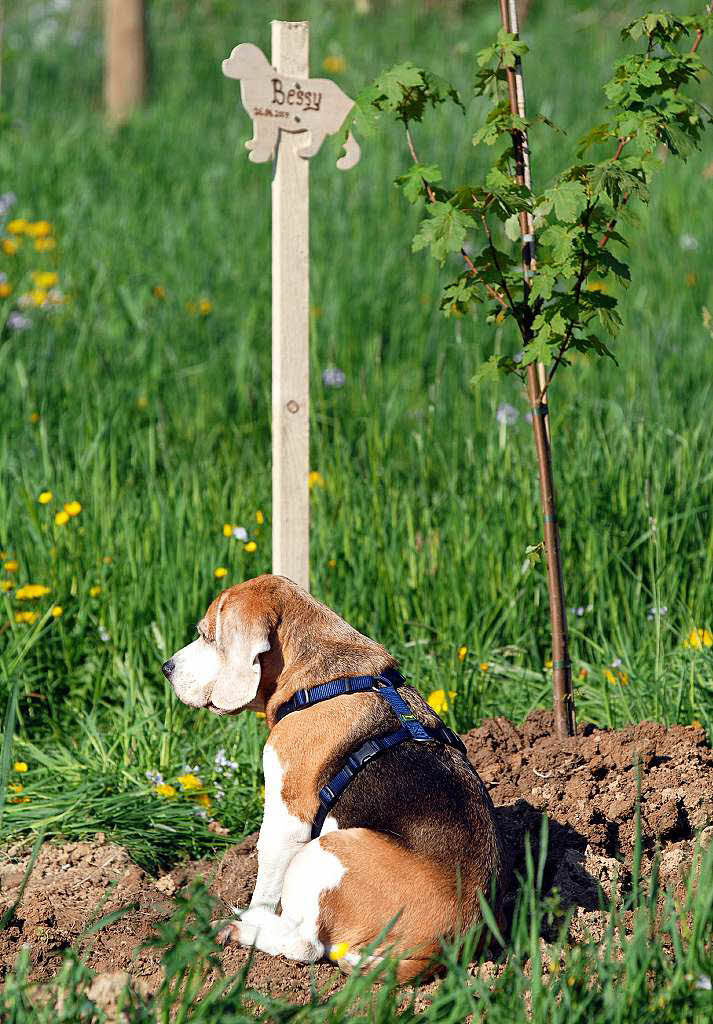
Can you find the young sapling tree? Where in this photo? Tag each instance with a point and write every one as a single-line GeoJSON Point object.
{"type": "Point", "coordinates": [565, 300]}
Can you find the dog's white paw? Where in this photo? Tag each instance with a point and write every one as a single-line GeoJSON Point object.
{"type": "Point", "coordinates": [229, 931]}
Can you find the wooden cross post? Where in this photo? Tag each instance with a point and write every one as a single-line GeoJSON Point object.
{"type": "Point", "coordinates": [290, 326]}
{"type": "Point", "coordinates": [291, 115]}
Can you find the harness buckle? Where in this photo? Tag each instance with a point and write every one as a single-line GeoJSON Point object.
{"type": "Point", "coordinates": [372, 751]}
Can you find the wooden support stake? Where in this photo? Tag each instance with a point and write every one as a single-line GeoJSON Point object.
{"type": "Point", "coordinates": [562, 694]}
{"type": "Point", "coordinates": [124, 57]}
{"type": "Point", "coordinates": [290, 326]}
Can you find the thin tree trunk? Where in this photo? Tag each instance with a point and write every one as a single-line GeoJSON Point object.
{"type": "Point", "coordinates": [562, 696]}
{"type": "Point", "coordinates": [124, 57]}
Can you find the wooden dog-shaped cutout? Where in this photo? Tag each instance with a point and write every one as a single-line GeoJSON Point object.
{"type": "Point", "coordinates": [277, 102]}
{"type": "Point", "coordinates": [413, 837]}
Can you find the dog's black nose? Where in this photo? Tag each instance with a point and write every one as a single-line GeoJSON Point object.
{"type": "Point", "coordinates": [168, 667]}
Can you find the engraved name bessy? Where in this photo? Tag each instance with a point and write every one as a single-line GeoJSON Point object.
{"type": "Point", "coordinates": [295, 97]}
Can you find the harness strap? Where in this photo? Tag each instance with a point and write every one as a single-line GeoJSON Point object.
{"type": "Point", "coordinates": [335, 688]}
{"type": "Point", "coordinates": [384, 685]}
{"type": "Point", "coordinates": [354, 762]}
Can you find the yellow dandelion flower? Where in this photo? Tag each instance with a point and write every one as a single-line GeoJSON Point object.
{"type": "Point", "coordinates": [20, 767]}
{"type": "Point", "coordinates": [95, 591]}
{"type": "Point", "coordinates": [484, 666]}
{"type": "Point", "coordinates": [609, 676]}
{"type": "Point", "coordinates": [205, 306]}
{"type": "Point", "coordinates": [227, 530]}
{"type": "Point", "coordinates": [61, 518]}
{"type": "Point", "coordinates": [17, 226]}
{"type": "Point", "coordinates": [45, 278]}
{"type": "Point", "coordinates": [439, 701]}
{"type": "Point", "coordinates": [11, 566]}
{"type": "Point", "coordinates": [315, 479]}
{"type": "Point", "coordinates": [190, 781]}
{"type": "Point", "coordinates": [15, 787]}
{"type": "Point", "coordinates": [72, 508]}
{"type": "Point", "coordinates": [28, 617]}
{"type": "Point", "coordinates": [259, 518]}
{"type": "Point", "coordinates": [203, 800]}
{"type": "Point", "coordinates": [45, 245]}
{"type": "Point", "coordinates": [462, 651]}
{"type": "Point", "coordinates": [34, 417]}
{"type": "Point", "coordinates": [332, 563]}
{"type": "Point", "coordinates": [220, 572]}
{"type": "Point", "coordinates": [695, 724]}
{"type": "Point", "coordinates": [342, 948]}
{"type": "Point", "coordinates": [39, 229]}
{"type": "Point", "coordinates": [548, 664]}
{"type": "Point", "coordinates": [31, 591]}
{"type": "Point", "coordinates": [10, 246]}
{"type": "Point", "coordinates": [334, 65]}
{"type": "Point", "coordinates": [167, 792]}
{"type": "Point", "coordinates": [699, 638]}
{"type": "Point", "coordinates": [250, 546]}
{"type": "Point", "coordinates": [500, 317]}
{"type": "Point", "coordinates": [5, 289]}
{"type": "Point", "coordinates": [35, 297]}
{"type": "Point", "coordinates": [45, 498]}
{"type": "Point", "coordinates": [6, 585]}
{"type": "Point", "coordinates": [57, 611]}
{"type": "Point", "coordinates": [159, 292]}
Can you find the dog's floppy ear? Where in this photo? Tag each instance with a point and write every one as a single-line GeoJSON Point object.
{"type": "Point", "coordinates": [243, 636]}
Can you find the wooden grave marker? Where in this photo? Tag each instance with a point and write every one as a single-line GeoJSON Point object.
{"type": "Point", "coordinates": [291, 115]}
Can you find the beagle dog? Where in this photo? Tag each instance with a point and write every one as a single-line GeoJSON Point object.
{"type": "Point", "coordinates": [412, 840]}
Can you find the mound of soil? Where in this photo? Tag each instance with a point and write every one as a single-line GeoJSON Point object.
{"type": "Point", "coordinates": [587, 786]}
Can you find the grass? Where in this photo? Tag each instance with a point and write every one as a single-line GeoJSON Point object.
{"type": "Point", "coordinates": [156, 418]}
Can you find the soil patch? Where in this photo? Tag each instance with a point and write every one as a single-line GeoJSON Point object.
{"type": "Point", "coordinates": [587, 786]}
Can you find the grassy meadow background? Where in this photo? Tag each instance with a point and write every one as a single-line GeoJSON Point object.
{"type": "Point", "coordinates": [145, 397]}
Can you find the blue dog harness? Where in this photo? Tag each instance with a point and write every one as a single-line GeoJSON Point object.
{"type": "Point", "coordinates": [384, 685]}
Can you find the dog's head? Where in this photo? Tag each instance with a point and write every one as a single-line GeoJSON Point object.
{"type": "Point", "coordinates": [221, 669]}
{"type": "Point", "coordinates": [246, 61]}
{"type": "Point", "coordinates": [260, 641]}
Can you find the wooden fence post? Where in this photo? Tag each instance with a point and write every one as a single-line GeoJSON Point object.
{"type": "Point", "coordinates": [124, 57]}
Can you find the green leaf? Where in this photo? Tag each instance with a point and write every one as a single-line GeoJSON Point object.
{"type": "Point", "coordinates": [412, 182]}
{"type": "Point", "coordinates": [512, 227]}
{"type": "Point", "coordinates": [487, 372]}
{"type": "Point", "coordinates": [538, 350]}
{"type": "Point", "coordinates": [543, 283]}
{"type": "Point", "coordinates": [569, 200]}
{"type": "Point", "coordinates": [444, 230]}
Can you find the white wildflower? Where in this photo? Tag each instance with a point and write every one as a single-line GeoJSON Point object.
{"type": "Point", "coordinates": [506, 414]}
{"type": "Point", "coordinates": [18, 322]}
